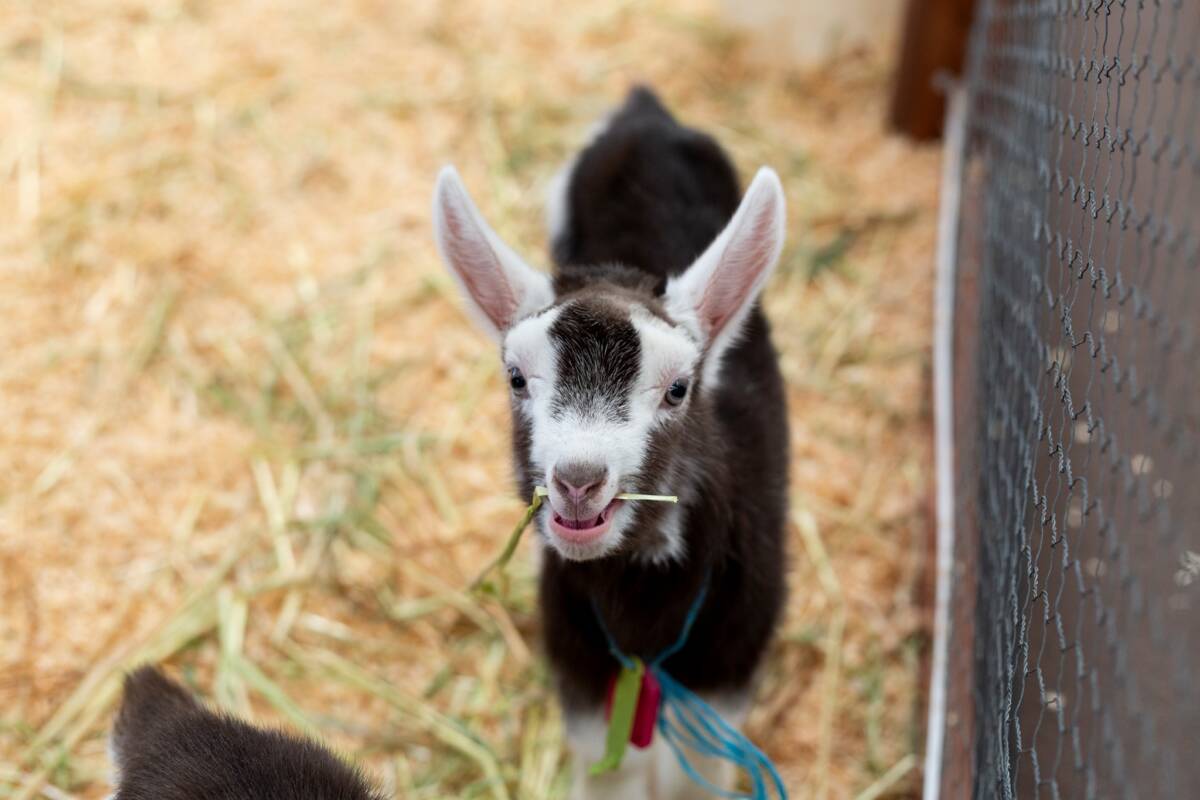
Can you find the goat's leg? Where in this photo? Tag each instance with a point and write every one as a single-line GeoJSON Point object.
{"type": "Point", "coordinates": [633, 781]}
{"type": "Point", "coordinates": [671, 782]}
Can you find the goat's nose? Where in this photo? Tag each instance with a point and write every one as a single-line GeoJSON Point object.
{"type": "Point", "coordinates": [577, 479]}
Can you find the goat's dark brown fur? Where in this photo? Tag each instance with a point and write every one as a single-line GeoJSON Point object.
{"type": "Point", "coordinates": [170, 747]}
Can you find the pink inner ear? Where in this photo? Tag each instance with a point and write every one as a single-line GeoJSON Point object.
{"type": "Point", "coordinates": [476, 264]}
{"type": "Point", "coordinates": [748, 253]}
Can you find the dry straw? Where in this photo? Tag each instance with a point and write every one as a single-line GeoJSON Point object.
{"type": "Point", "coordinates": [249, 433]}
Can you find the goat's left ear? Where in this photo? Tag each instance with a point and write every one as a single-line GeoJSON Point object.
{"type": "Point", "coordinates": [716, 292]}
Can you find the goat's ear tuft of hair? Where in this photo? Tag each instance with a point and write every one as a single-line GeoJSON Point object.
{"type": "Point", "coordinates": [714, 295]}
{"type": "Point", "coordinates": [500, 288]}
{"type": "Point", "coordinates": [150, 700]}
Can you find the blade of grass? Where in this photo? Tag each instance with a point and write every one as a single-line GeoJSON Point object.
{"type": "Point", "coordinates": [810, 534]}
{"type": "Point", "coordinates": [156, 325]}
{"type": "Point", "coordinates": [514, 538]}
{"type": "Point", "coordinates": [889, 779]}
{"type": "Point", "coordinates": [231, 634]}
{"type": "Point", "coordinates": [273, 694]}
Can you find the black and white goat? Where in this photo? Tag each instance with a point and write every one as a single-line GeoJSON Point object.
{"type": "Point", "coordinates": [166, 746]}
{"type": "Point", "coordinates": [643, 365]}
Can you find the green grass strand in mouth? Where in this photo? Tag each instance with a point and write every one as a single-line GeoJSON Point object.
{"type": "Point", "coordinates": [542, 491]}
{"type": "Point", "coordinates": [514, 538]}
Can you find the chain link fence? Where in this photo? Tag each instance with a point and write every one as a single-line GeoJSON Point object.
{"type": "Point", "coordinates": [1076, 588]}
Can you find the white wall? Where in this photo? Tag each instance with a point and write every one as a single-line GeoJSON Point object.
{"type": "Point", "coordinates": [811, 31]}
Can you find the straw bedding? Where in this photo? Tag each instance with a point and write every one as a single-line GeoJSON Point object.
{"type": "Point", "coordinates": [249, 432]}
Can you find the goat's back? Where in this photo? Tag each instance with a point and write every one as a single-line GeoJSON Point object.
{"type": "Point", "coordinates": [647, 193]}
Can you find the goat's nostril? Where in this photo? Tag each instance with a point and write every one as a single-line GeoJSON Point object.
{"type": "Point", "coordinates": [578, 492]}
{"type": "Point", "coordinates": [568, 489]}
{"type": "Point", "coordinates": [578, 480]}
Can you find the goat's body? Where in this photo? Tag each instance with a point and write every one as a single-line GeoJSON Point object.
{"type": "Point", "coordinates": [167, 746]}
{"type": "Point", "coordinates": [645, 366]}
{"type": "Point", "coordinates": [651, 195]}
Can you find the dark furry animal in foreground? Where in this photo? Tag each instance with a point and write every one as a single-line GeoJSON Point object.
{"type": "Point", "coordinates": [167, 746]}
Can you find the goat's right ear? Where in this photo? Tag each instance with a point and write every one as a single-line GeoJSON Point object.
{"type": "Point", "coordinates": [499, 287]}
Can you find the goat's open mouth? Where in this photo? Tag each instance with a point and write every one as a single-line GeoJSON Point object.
{"type": "Point", "coordinates": [583, 531]}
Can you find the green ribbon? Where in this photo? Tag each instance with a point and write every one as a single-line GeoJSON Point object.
{"type": "Point", "coordinates": [620, 724]}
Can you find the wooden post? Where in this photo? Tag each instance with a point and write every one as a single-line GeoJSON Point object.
{"type": "Point", "coordinates": [934, 40]}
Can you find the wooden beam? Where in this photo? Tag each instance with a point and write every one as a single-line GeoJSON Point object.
{"type": "Point", "coordinates": [934, 41]}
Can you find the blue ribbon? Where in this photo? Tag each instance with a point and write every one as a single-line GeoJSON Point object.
{"type": "Point", "coordinates": [687, 722]}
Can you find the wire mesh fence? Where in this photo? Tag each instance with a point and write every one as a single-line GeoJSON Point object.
{"type": "Point", "coordinates": [1078, 403]}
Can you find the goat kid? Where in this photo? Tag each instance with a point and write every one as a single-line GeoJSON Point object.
{"type": "Point", "coordinates": [643, 365]}
{"type": "Point", "coordinates": [166, 746]}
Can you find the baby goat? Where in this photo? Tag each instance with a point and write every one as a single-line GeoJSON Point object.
{"type": "Point", "coordinates": [644, 365]}
{"type": "Point", "coordinates": [167, 746]}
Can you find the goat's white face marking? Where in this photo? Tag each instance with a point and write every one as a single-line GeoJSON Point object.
{"type": "Point", "coordinates": [597, 370]}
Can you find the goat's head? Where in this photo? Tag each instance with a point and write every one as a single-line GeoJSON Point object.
{"type": "Point", "coordinates": [605, 373]}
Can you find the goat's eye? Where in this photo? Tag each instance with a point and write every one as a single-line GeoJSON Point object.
{"type": "Point", "coordinates": [516, 380]}
{"type": "Point", "coordinates": [677, 392]}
